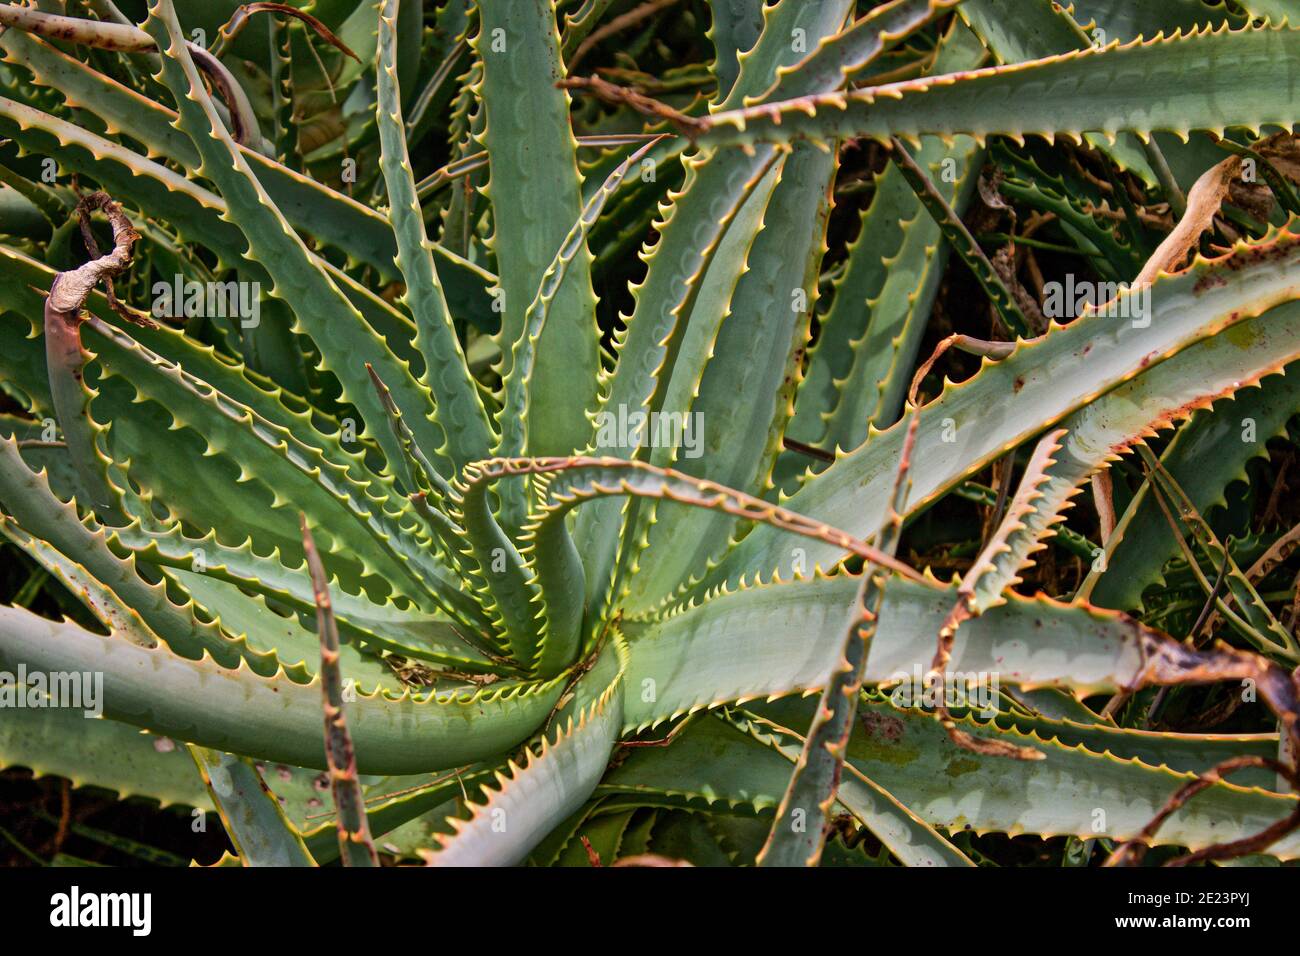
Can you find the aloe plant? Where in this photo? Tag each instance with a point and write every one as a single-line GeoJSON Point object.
{"type": "Point", "coordinates": [361, 454]}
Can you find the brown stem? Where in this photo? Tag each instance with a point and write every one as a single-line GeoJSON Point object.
{"type": "Point", "coordinates": [1132, 851]}
{"type": "Point", "coordinates": [69, 291]}
{"type": "Point", "coordinates": [711, 495]}
{"type": "Point", "coordinates": [688, 126]}
{"type": "Point", "coordinates": [355, 844]}
{"type": "Point", "coordinates": [123, 232]}
{"type": "Point", "coordinates": [809, 450]}
{"type": "Point", "coordinates": [966, 343]}
{"type": "Point", "coordinates": [1103, 498]}
{"type": "Point", "coordinates": [592, 856]}
{"type": "Point", "coordinates": [123, 38]}
{"type": "Point", "coordinates": [235, 25]}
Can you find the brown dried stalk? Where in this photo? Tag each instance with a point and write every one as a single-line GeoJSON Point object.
{"type": "Point", "coordinates": [1132, 852]}
{"type": "Point", "coordinates": [355, 844]}
{"type": "Point", "coordinates": [66, 359]}
{"type": "Point", "coordinates": [688, 126]}
{"type": "Point", "coordinates": [235, 25]}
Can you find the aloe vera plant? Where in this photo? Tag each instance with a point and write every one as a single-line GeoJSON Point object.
{"type": "Point", "coordinates": [354, 455]}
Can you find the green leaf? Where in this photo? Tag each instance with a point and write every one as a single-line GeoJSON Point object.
{"type": "Point", "coordinates": [1122, 20]}
{"type": "Point", "coordinates": [287, 637]}
{"type": "Point", "coordinates": [735, 28]}
{"type": "Point", "coordinates": [717, 185]}
{"type": "Point", "coordinates": [98, 599]}
{"type": "Point", "coordinates": [1276, 11]}
{"type": "Point", "coordinates": [790, 30]}
{"type": "Point", "coordinates": [743, 396]}
{"type": "Point", "coordinates": [131, 763]}
{"type": "Point", "coordinates": [332, 217]}
{"type": "Point", "coordinates": [296, 475]}
{"type": "Point", "coordinates": [880, 291]}
{"type": "Point", "coordinates": [515, 601]}
{"type": "Point", "coordinates": [961, 241]}
{"type": "Point", "coordinates": [1185, 753]}
{"type": "Point", "coordinates": [910, 839]}
{"type": "Point", "coordinates": [1043, 380]}
{"type": "Point", "coordinates": [536, 193]}
{"type": "Point", "coordinates": [322, 311]}
{"type": "Point", "coordinates": [908, 753]}
{"type": "Point", "coordinates": [553, 779]}
{"type": "Point", "coordinates": [843, 56]}
{"type": "Point", "coordinates": [1032, 510]}
{"type": "Point", "coordinates": [1074, 202]}
{"type": "Point", "coordinates": [1141, 87]}
{"type": "Point", "coordinates": [460, 407]}
{"type": "Point", "coordinates": [604, 834]}
{"type": "Point", "coordinates": [747, 766]}
{"type": "Point", "coordinates": [783, 638]}
{"type": "Point", "coordinates": [19, 274]}
{"type": "Point", "coordinates": [1205, 457]}
{"type": "Point", "coordinates": [27, 498]}
{"type": "Point", "coordinates": [522, 389]}
{"type": "Point", "coordinates": [579, 23]}
{"type": "Point", "coordinates": [199, 215]}
{"type": "Point", "coordinates": [690, 239]}
{"type": "Point", "coordinates": [1259, 626]}
{"type": "Point", "coordinates": [66, 361]}
{"type": "Point", "coordinates": [273, 718]}
{"type": "Point", "coordinates": [258, 829]}
{"type": "Point", "coordinates": [574, 481]}
{"type": "Point", "coordinates": [1021, 30]}
{"type": "Point", "coordinates": [410, 633]}
{"type": "Point", "coordinates": [660, 443]}
{"type": "Point", "coordinates": [799, 831]}
{"type": "Point", "coordinates": [861, 366]}
{"type": "Point", "coordinates": [54, 741]}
